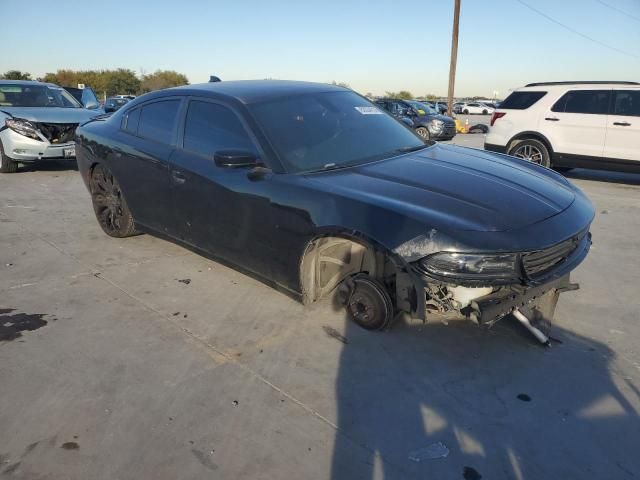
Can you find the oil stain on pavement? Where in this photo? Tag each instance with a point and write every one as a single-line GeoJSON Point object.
{"type": "Point", "coordinates": [13, 324]}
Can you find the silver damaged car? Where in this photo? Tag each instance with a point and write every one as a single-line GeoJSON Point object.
{"type": "Point", "coordinates": [37, 122]}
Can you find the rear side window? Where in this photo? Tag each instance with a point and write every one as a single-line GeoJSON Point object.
{"type": "Point", "coordinates": [210, 127]}
{"type": "Point", "coordinates": [131, 121]}
{"type": "Point", "coordinates": [157, 121]}
{"type": "Point", "coordinates": [627, 103]}
{"type": "Point", "coordinates": [594, 102]}
{"type": "Point", "coordinates": [521, 100]}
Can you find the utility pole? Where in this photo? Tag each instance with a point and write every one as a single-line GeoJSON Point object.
{"type": "Point", "coordinates": [454, 56]}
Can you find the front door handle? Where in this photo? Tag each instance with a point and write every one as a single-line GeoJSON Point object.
{"type": "Point", "coordinates": [552, 119]}
{"type": "Point", "coordinates": [622, 124]}
{"type": "Point", "coordinates": [178, 176]}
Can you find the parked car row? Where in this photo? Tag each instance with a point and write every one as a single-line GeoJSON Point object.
{"type": "Point", "coordinates": [427, 122]}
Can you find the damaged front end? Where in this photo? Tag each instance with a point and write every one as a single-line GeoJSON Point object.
{"type": "Point", "coordinates": [57, 133]}
{"type": "Point", "coordinates": [54, 133]}
{"type": "Point", "coordinates": [484, 287]}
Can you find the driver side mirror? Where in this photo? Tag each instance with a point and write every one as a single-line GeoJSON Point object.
{"type": "Point", "coordinates": [235, 159]}
{"type": "Point", "coordinates": [91, 105]}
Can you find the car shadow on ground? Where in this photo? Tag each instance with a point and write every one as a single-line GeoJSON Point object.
{"type": "Point", "coordinates": [49, 166]}
{"type": "Point", "coordinates": [603, 176]}
{"type": "Point", "coordinates": [495, 402]}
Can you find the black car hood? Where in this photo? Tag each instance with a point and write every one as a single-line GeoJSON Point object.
{"type": "Point", "coordinates": [448, 187]}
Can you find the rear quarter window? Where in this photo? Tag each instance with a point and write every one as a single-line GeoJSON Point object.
{"type": "Point", "coordinates": [521, 100]}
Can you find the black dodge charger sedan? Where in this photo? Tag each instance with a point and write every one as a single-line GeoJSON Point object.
{"type": "Point", "coordinates": [317, 191]}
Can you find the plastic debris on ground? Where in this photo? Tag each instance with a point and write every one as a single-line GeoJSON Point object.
{"type": "Point", "coordinates": [433, 451]}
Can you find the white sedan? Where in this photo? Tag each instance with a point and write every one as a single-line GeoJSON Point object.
{"type": "Point", "coordinates": [479, 108]}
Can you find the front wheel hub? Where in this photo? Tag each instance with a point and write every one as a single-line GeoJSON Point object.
{"type": "Point", "coordinates": [369, 304]}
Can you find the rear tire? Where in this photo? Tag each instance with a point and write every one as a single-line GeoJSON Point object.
{"type": "Point", "coordinates": [465, 111]}
{"type": "Point", "coordinates": [484, 112]}
{"type": "Point", "coordinates": [109, 204]}
{"type": "Point", "coordinates": [369, 304]}
{"type": "Point", "coordinates": [532, 150]}
{"type": "Point", "coordinates": [423, 132]}
{"type": "Point", "coordinates": [7, 165]}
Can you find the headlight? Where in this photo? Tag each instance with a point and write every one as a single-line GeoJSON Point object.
{"type": "Point", "coordinates": [436, 125]}
{"type": "Point", "coordinates": [471, 266]}
{"type": "Point", "coordinates": [23, 127]}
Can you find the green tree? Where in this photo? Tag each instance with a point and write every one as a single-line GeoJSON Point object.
{"type": "Point", "coordinates": [403, 94]}
{"type": "Point", "coordinates": [431, 97]}
{"type": "Point", "coordinates": [121, 82]}
{"type": "Point", "coordinates": [16, 75]}
{"type": "Point", "coordinates": [163, 79]}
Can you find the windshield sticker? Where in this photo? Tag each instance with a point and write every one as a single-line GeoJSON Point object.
{"type": "Point", "coordinates": [10, 89]}
{"type": "Point", "coordinates": [369, 110]}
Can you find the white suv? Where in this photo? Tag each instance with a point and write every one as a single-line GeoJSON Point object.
{"type": "Point", "coordinates": [570, 124]}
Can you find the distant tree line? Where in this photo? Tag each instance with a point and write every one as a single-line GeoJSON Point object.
{"type": "Point", "coordinates": [125, 82]}
{"type": "Point", "coordinates": [108, 82]}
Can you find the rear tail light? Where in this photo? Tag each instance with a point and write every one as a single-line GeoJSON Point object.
{"type": "Point", "coordinates": [496, 116]}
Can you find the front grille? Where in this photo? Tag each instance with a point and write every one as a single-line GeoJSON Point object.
{"type": "Point", "coordinates": [541, 261]}
{"type": "Point", "coordinates": [449, 129]}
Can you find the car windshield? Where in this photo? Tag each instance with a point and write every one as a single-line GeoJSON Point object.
{"type": "Point", "coordinates": [116, 101]}
{"type": "Point", "coordinates": [322, 131]}
{"type": "Point", "coordinates": [36, 95]}
{"type": "Point", "coordinates": [422, 108]}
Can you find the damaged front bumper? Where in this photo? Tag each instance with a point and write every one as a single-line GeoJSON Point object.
{"type": "Point", "coordinates": [536, 293]}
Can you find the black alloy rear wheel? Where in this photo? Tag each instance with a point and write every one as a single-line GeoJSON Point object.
{"type": "Point", "coordinates": [109, 204]}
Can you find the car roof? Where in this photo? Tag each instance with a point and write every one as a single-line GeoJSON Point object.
{"type": "Point", "coordinates": [586, 85]}
{"type": "Point", "coordinates": [27, 82]}
{"type": "Point", "coordinates": [252, 91]}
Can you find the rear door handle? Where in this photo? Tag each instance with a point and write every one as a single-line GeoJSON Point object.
{"type": "Point", "coordinates": [552, 119]}
{"type": "Point", "coordinates": [622, 124]}
{"type": "Point", "coordinates": [178, 176]}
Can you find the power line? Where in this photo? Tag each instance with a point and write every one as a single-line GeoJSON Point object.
{"type": "Point", "coordinates": [637, 19]}
{"type": "Point", "coordinates": [567, 27]}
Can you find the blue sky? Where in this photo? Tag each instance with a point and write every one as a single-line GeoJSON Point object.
{"type": "Point", "coordinates": [372, 45]}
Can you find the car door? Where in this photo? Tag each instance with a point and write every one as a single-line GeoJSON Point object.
{"type": "Point", "coordinates": [576, 123]}
{"type": "Point", "coordinates": [140, 161]}
{"type": "Point", "coordinates": [218, 209]}
{"type": "Point", "coordinates": [623, 126]}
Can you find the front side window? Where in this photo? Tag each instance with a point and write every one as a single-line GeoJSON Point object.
{"type": "Point", "coordinates": [319, 131]}
{"type": "Point", "coordinates": [627, 103]}
{"type": "Point", "coordinates": [210, 127]}
{"type": "Point", "coordinates": [36, 95]}
{"type": "Point", "coordinates": [594, 102]}
{"type": "Point", "coordinates": [157, 121]}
